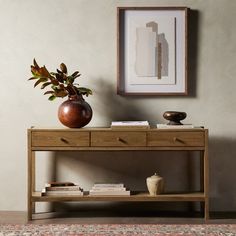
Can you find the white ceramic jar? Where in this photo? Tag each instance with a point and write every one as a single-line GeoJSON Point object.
{"type": "Point", "coordinates": [155, 184]}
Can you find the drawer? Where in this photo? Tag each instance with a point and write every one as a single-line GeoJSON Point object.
{"type": "Point", "coordinates": [60, 139]}
{"type": "Point", "coordinates": [118, 139]}
{"type": "Point", "coordinates": [166, 139]}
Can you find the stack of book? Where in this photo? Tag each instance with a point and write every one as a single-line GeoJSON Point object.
{"type": "Point", "coordinates": [62, 189]}
{"type": "Point", "coordinates": [109, 189]}
{"type": "Point", "coordinates": [130, 125]}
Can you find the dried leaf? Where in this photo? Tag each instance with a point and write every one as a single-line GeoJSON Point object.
{"type": "Point", "coordinates": [32, 78]}
{"type": "Point", "coordinates": [63, 68]}
{"type": "Point", "coordinates": [59, 77]}
{"type": "Point", "coordinates": [61, 93]}
{"type": "Point", "coordinates": [62, 86]}
{"type": "Point", "coordinates": [77, 76]}
{"type": "Point", "coordinates": [45, 85]}
{"type": "Point", "coordinates": [64, 77]}
{"type": "Point", "coordinates": [49, 92]}
{"type": "Point", "coordinates": [34, 71]}
{"type": "Point", "coordinates": [71, 89]}
{"type": "Point", "coordinates": [75, 73]}
{"type": "Point", "coordinates": [40, 81]}
{"type": "Point", "coordinates": [54, 82]}
{"type": "Point", "coordinates": [35, 64]}
{"type": "Point", "coordinates": [44, 72]}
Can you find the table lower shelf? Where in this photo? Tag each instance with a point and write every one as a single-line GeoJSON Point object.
{"type": "Point", "coordinates": [134, 197]}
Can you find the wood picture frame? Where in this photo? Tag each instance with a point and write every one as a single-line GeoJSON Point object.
{"type": "Point", "coordinates": [152, 51]}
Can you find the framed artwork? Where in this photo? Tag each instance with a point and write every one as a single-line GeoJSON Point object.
{"type": "Point", "coordinates": [152, 50]}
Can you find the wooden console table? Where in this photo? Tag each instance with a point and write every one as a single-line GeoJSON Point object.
{"type": "Point", "coordinates": [94, 139]}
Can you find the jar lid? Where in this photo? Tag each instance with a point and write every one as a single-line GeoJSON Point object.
{"type": "Point", "coordinates": [155, 176]}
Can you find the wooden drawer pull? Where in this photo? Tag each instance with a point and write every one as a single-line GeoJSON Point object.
{"type": "Point", "coordinates": [64, 140]}
{"type": "Point", "coordinates": [175, 139]}
{"type": "Point", "coordinates": [121, 140]}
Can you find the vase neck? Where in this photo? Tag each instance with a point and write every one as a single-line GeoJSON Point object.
{"type": "Point", "coordinates": [75, 97]}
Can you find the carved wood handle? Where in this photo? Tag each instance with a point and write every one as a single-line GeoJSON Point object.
{"type": "Point", "coordinates": [121, 140]}
{"type": "Point", "coordinates": [175, 139]}
{"type": "Point", "coordinates": [64, 140]}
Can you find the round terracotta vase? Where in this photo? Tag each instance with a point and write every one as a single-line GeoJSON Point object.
{"type": "Point", "coordinates": [75, 112]}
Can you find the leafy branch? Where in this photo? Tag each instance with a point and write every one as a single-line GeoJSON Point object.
{"type": "Point", "coordinates": [61, 83]}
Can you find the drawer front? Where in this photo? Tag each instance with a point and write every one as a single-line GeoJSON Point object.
{"type": "Point", "coordinates": [60, 139]}
{"type": "Point", "coordinates": [175, 139]}
{"type": "Point", "coordinates": [118, 139]}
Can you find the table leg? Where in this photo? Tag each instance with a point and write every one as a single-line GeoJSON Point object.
{"type": "Point", "coordinates": [31, 183]}
{"type": "Point", "coordinates": [206, 177]}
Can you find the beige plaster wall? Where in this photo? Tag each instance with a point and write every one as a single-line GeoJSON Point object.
{"type": "Point", "coordinates": [82, 33]}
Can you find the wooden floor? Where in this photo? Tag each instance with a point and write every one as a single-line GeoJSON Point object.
{"type": "Point", "coordinates": [13, 217]}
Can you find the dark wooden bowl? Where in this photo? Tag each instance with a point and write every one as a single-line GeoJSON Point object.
{"type": "Point", "coordinates": [174, 117]}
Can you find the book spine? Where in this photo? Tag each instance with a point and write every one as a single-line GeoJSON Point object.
{"type": "Point", "coordinates": [57, 193]}
{"type": "Point", "coordinates": [58, 184]}
{"type": "Point", "coordinates": [119, 185]}
{"type": "Point", "coordinates": [164, 126]}
{"type": "Point", "coordinates": [72, 188]}
{"type": "Point", "coordinates": [130, 127]}
{"type": "Point", "coordinates": [125, 193]}
{"type": "Point", "coordinates": [108, 189]}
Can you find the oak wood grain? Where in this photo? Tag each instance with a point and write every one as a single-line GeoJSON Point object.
{"type": "Point", "coordinates": [60, 139]}
{"type": "Point", "coordinates": [175, 138]}
{"type": "Point", "coordinates": [118, 138]}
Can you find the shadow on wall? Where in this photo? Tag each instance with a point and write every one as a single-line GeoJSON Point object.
{"type": "Point", "coordinates": [110, 106]}
{"type": "Point", "coordinates": [193, 29]}
{"type": "Point", "coordinates": [222, 153]}
{"type": "Point", "coordinates": [180, 171]}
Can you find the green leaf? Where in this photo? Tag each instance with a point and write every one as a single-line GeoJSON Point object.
{"type": "Point", "coordinates": [35, 71]}
{"type": "Point", "coordinates": [84, 91]}
{"type": "Point", "coordinates": [54, 87]}
{"type": "Point", "coordinates": [51, 98]}
{"type": "Point", "coordinates": [70, 80]}
{"type": "Point", "coordinates": [61, 84]}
